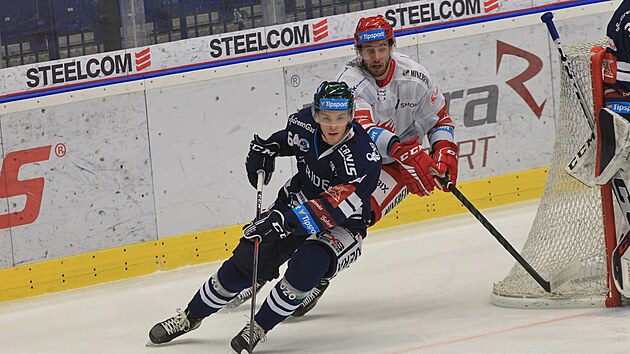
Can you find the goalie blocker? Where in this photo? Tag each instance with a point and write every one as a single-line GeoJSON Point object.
{"type": "Point", "coordinates": [613, 156]}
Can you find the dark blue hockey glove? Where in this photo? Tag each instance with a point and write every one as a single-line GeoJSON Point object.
{"type": "Point", "coordinates": [262, 156]}
{"type": "Point", "coordinates": [269, 228]}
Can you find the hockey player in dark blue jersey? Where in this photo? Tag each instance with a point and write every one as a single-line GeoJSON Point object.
{"type": "Point", "coordinates": [317, 222]}
{"type": "Point", "coordinates": [617, 73]}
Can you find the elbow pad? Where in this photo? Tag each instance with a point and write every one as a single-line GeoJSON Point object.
{"type": "Point", "coordinates": [383, 139]}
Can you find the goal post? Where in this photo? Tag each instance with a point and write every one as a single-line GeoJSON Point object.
{"type": "Point", "coordinates": [597, 66]}
{"type": "Point", "coordinates": [573, 222]}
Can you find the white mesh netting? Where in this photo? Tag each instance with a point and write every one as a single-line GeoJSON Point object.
{"type": "Point", "coordinates": [569, 223]}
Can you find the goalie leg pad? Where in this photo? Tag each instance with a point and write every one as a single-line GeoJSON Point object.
{"type": "Point", "coordinates": [582, 166]}
{"type": "Point", "coordinates": [621, 266]}
{"type": "Point", "coordinates": [614, 145]}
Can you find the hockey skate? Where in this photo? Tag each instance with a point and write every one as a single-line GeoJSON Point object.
{"type": "Point", "coordinates": [309, 302]}
{"type": "Point", "coordinates": [173, 327]}
{"type": "Point", "coordinates": [243, 296]}
{"type": "Point", "coordinates": [240, 343]}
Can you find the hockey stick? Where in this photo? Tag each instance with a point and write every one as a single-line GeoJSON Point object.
{"type": "Point", "coordinates": [560, 278]}
{"type": "Point", "coordinates": [547, 18]}
{"type": "Point", "coordinates": [617, 183]}
{"type": "Point", "coordinates": [259, 196]}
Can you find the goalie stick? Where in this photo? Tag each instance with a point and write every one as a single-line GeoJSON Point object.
{"type": "Point", "coordinates": [617, 183]}
{"type": "Point", "coordinates": [259, 196]}
{"type": "Point", "coordinates": [565, 274]}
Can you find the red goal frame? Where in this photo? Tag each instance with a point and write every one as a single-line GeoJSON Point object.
{"type": "Point", "coordinates": [598, 65]}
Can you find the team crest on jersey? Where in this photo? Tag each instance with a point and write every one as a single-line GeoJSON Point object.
{"type": "Point", "coordinates": [303, 144]}
{"type": "Point", "coordinates": [339, 193]}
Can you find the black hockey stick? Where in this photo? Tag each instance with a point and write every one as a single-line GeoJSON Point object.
{"type": "Point", "coordinates": [547, 18]}
{"type": "Point", "coordinates": [617, 183]}
{"type": "Point", "coordinates": [560, 278]}
{"type": "Point", "coordinates": [259, 197]}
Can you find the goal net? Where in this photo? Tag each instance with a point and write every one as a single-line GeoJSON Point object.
{"type": "Point", "coordinates": [569, 223]}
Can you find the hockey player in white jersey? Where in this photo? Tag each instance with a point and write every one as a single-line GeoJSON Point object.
{"type": "Point", "coordinates": [398, 104]}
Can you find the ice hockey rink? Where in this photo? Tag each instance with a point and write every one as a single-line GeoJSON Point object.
{"type": "Point", "coordinates": [420, 288]}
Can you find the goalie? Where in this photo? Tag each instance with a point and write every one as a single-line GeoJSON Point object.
{"type": "Point", "coordinates": [613, 131]}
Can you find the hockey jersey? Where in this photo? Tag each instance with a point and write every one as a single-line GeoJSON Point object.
{"type": "Point", "coordinates": [404, 104]}
{"type": "Point", "coordinates": [333, 184]}
{"type": "Point", "coordinates": [618, 43]}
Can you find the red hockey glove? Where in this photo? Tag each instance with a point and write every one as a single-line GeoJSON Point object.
{"type": "Point", "coordinates": [445, 157]}
{"type": "Point", "coordinates": [417, 164]}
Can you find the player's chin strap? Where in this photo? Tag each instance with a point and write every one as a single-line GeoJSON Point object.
{"type": "Point", "coordinates": [564, 275]}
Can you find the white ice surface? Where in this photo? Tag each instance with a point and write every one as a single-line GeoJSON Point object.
{"type": "Point", "coordinates": [418, 288]}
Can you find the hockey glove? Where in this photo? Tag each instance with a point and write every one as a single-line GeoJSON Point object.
{"type": "Point", "coordinates": [418, 166]}
{"type": "Point", "coordinates": [445, 157]}
{"type": "Point", "coordinates": [268, 228]}
{"type": "Point", "coordinates": [261, 156]}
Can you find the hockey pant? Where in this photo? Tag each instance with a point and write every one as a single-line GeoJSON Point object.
{"type": "Point", "coordinates": [312, 258]}
{"type": "Point", "coordinates": [323, 255]}
{"type": "Point", "coordinates": [389, 192]}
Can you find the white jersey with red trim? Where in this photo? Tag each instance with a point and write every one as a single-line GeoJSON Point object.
{"type": "Point", "coordinates": [406, 103]}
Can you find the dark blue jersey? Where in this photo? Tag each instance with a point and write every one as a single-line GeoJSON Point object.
{"type": "Point", "coordinates": [618, 43]}
{"type": "Point", "coordinates": [333, 184]}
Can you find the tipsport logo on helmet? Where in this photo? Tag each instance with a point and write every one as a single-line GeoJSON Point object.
{"type": "Point", "coordinates": [333, 104]}
{"type": "Point", "coordinates": [373, 35]}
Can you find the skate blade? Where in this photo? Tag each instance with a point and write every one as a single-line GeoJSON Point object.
{"type": "Point", "coordinates": [232, 351]}
{"type": "Point", "coordinates": [151, 344]}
